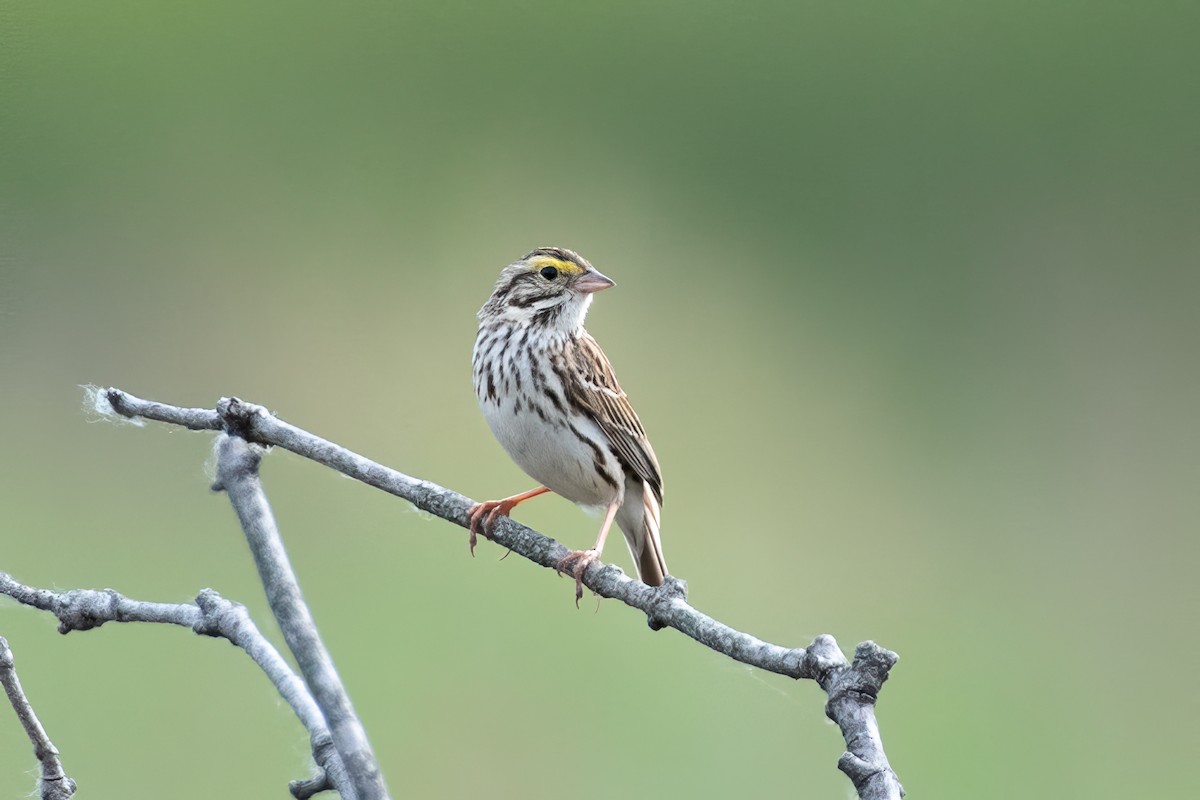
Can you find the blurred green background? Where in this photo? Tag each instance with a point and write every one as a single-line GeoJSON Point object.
{"type": "Point", "coordinates": [906, 298]}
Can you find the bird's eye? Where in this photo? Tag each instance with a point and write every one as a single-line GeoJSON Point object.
{"type": "Point", "coordinates": [549, 273]}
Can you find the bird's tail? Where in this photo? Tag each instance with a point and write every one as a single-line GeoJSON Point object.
{"type": "Point", "coordinates": [642, 535]}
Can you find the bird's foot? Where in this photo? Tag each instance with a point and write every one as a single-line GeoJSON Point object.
{"type": "Point", "coordinates": [483, 517]}
{"type": "Point", "coordinates": [575, 564]}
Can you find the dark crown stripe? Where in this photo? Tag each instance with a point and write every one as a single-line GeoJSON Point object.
{"type": "Point", "coordinates": [562, 254]}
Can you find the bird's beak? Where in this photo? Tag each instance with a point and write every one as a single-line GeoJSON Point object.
{"type": "Point", "coordinates": [593, 281]}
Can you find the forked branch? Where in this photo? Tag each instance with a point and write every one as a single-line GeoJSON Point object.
{"type": "Point", "coordinates": [852, 688]}
{"type": "Point", "coordinates": [210, 615]}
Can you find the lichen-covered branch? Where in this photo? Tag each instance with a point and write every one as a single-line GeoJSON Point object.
{"type": "Point", "coordinates": [53, 784]}
{"type": "Point", "coordinates": [237, 475]}
{"type": "Point", "coordinates": [852, 688]}
{"type": "Point", "coordinates": [210, 615]}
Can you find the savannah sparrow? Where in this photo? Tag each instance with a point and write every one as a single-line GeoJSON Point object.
{"type": "Point", "coordinates": [550, 397]}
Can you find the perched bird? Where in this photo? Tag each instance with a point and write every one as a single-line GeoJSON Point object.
{"type": "Point", "coordinates": [551, 398]}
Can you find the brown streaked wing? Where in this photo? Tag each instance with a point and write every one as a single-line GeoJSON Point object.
{"type": "Point", "coordinates": [596, 390]}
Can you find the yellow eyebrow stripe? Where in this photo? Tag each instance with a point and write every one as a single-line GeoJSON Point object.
{"type": "Point", "coordinates": [541, 262]}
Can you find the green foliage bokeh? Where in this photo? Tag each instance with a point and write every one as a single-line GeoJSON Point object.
{"type": "Point", "coordinates": [906, 300]}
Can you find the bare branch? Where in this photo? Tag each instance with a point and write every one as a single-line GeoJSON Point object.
{"type": "Point", "coordinates": [54, 783]}
{"type": "Point", "coordinates": [302, 790]}
{"type": "Point", "coordinates": [852, 693]}
{"type": "Point", "coordinates": [852, 689]}
{"type": "Point", "coordinates": [211, 615]}
{"type": "Point", "coordinates": [237, 475]}
{"type": "Point", "coordinates": [111, 401]}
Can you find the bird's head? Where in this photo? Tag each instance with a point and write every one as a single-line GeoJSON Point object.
{"type": "Point", "coordinates": [551, 286]}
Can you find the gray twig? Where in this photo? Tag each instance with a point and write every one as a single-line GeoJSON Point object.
{"type": "Point", "coordinates": [237, 475]}
{"type": "Point", "coordinates": [851, 688]}
{"type": "Point", "coordinates": [211, 615]}
{"type": "Point", "coordinates": [55, 785]}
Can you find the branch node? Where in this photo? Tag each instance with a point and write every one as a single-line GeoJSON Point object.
{"type": "Point", "coordinates": [861, 772]}
{"type": "Point", "coordinates": [218, 617]}
{"type": "Point", "coordinates": [116, 402]}
{"type": "Point", "coordinates": [823, 661]}
{"type": "Point", "coordinates": [235, 463]}
{"type": "Point", "coordinates": [239, 416]}
{"type": "Point", "coordinates": [864, 679]}
{"type": "Point", "coordinates": [870, 657]}
{"type": "Point", "coordinates": [663, 601]}
{"type": "Point", "coordinates": [81, 609]}
{"type": "Point", "coordinates": [57, 788]}
{"type": "Point", "coordinates": [323, 752]}
{"type": "Point", "coordinates": [319, 782]}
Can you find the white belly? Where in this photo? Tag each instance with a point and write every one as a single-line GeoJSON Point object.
{"type": "Point", "coordinates": [556, 456]}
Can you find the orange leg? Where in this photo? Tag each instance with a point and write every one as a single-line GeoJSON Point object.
{"type": "Point", "coordinates": [577, 561]}
{"type": "Point", "coordinates": [488, 511]}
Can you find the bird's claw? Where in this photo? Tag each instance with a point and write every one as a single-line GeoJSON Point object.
{"type": "Point", "coordinates": [581, 560]}
{"type": "Point", "coordinates": [483, 519]}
